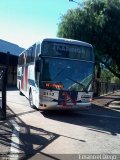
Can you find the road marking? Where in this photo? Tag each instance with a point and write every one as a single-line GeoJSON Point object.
{"type": "Point", "coordinates": [104, 116]}
{"type": "Point", "coordinates": [14, 150]}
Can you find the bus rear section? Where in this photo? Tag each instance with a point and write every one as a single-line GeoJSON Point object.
{"type": "Point", "coordinates": [56, 100]}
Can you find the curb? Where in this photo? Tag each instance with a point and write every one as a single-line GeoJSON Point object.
{"type": "Point", "coordinates": [103, 95]}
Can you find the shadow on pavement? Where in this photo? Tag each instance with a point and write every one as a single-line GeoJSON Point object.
{"type": "Point", "coordinates": [5, 136]}
{"type": "Point", "coordinates": [31, 139]}
{"type": "Point", "coordinates": [99, 118]}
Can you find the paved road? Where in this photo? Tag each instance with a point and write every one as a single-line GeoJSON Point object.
{"type": "Point", "coordinates": [49, 135]}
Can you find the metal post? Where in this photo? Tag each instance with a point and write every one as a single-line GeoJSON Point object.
{"type": "Point", "coordinates": [4, 86]}
{"type": "Point", "coordinates": [4, 94]}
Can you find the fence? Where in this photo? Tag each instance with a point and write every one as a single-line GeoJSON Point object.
{"type": "Point", "coordinates": [3, 83]}
{"type": "Point", "coordinates": [101, 88]}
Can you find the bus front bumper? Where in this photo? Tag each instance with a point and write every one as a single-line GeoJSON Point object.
{"type": "Point", "coordinates": [80, 106]}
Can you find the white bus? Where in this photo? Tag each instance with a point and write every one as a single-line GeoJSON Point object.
{"type": "Point", "coordinates": [57, 74]}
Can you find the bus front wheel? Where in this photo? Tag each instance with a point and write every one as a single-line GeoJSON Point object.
{"type": "Point", "coordinates": [31, 100]}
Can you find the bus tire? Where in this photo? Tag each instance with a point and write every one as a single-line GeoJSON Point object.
{"type": "Point", "coordinates": [20, 91]}
{"type": "Point", "coordinates": [31, 100]}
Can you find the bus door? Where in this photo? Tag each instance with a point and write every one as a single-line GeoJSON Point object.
{"type": "Point", "coordinates": [24, 79]}
{"type": "Point", "coordinates": [37, 78]}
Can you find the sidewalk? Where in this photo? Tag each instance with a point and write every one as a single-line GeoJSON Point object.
{"type": "Point", "coordinates": [115, 105]}
{"type": "Point", "coordinates": [111, 100]}
{"type": "Point", "coordinates": [8, 129]}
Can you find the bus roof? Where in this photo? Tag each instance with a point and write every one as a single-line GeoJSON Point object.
{"type": "Point", "coordinates": [65, 40]}
{"type": "Point", "coordinates": [62, 40]}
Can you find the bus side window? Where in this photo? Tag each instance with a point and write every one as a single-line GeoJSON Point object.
{"type": "Point", "coordinates": [37, 50]}
{"type": "Point", "coordinates": [21, 59]}
{"type": "Point", "coordinates": [33, 53]}
{"type": "Point", "coordinates": [28, 56]}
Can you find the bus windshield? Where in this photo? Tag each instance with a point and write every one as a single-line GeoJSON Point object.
{"type": "Point", "coordinates": [66, 50]}
{"type": "Point", "coordinates": [69, 75]}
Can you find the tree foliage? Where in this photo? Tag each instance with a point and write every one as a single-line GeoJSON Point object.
{"type": "Point", "coordinates": [107, 76]}
{"type": "Point", "coordinates": [98, 23]}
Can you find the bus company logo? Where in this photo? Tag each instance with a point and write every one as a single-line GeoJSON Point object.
{"type": "Point", "coordinates": [67, 97]}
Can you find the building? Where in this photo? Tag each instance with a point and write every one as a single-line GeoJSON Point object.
{"type": "Point", "coordinates": [10, 59]}
{"type": "Point", "coordinates": [7, 59]}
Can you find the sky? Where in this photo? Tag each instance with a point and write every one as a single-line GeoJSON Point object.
{"type": "Point", "coordinates": [25, 22]}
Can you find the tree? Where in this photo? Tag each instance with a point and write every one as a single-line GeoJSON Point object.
{"type": "Point", "coordinates": [107, 76]}
{"type": "Point", "coordinates": [98, 23]}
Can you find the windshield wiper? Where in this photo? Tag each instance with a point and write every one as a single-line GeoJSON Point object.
{"type": "Point", "coordinates": [84, 88]}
